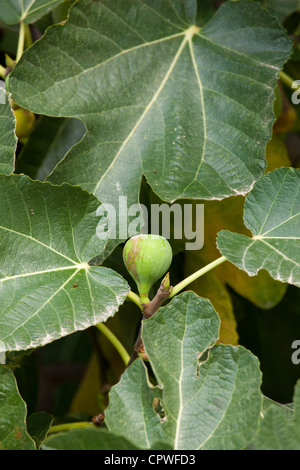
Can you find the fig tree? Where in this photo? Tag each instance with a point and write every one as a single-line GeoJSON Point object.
{"type": "Point", "coordinates": [147, 258]}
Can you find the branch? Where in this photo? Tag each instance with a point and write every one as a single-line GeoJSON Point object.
{"type": "Point", "coordinates": [149, 310]}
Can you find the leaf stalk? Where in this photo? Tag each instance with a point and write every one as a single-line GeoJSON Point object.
{"type": "Point", "coordinates": [188, 280]}
{"type": "Point", "coordinates": [69, 426]}
{"type": "Point", "coordinates": [114, 341]}
{"type": "Point", "coordinates": [21, 42]}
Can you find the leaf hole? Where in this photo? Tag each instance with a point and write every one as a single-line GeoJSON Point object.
{"type": "Point", "coordinates": [158, 409]}
{"type": "Point", "coordinates": [202, 357]}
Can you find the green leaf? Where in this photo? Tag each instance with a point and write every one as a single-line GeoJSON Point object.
{"type": "Point", "coordinates": [210, 287]}
{"type": "Point", "coordinates": [205, 398]}
{"type": "Point", "coordinates": [272, 214]}
{"type": "Point", "coordinates": [51, 139]}
{"type": "Point", "coordinates": [8, 140]}
{"type": "Point", "coordinates": [60, 13]}
{"type": "Point", "coordinates": [280, 9]}
{"type": "Point", "coordinates": [47, 289]}
{"type": "Point", "coordinates": [28, 11]}
{"type": "Point", "coordinates": [87, 439]}
{"type": "Point", "coordinates": [38, 425]}
{"type": "Point", "coordinates": [278, 431]}
{"type": "Point", "coordinates": [155, 91]}
{"type": "Point", "coordinates": [13, 434]}
{"type": "Point", "coordinates": [286, 409]}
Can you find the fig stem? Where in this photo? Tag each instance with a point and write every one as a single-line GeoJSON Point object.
{"type": "Point", "coordinates": [21, 42]}
{"type": "Point", "coordinates": [286, 79]}
{"type": "Point", "coordinates": [144, 299]}
{"type": "Point", "coordinates": [165, 292]}
{"type": "Point", "coordinates": [149, 309]}
{"type": "Point", "coordinates": [68, 426]}
{"type": "Point", "coordinates": [28, 37]}
{"type": "Point", "coordinates": [114, 341]}
{"type": "Point", "coordinates": [162, 294]}
{"type": "Point", "coordinates": [135, 298]}
{"type": "Point", "coordinates": [188, 280]}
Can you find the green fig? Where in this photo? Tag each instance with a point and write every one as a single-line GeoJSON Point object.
{"type": "Point", "coordinates": [147, 258]}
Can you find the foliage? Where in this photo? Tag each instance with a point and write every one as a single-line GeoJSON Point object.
{"type": "Point", "coordinates": [152, 102]}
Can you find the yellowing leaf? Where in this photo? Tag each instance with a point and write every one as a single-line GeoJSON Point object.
{"type": "Point", "coordinates": [86, 398]}
{"type": "Point", "coordinates": [286, 120]}
{"type": "Point", "coordinates": [277, 154]}
{"type": "Point", "coordinates": [261, 290]}
{"type": "Point", "coordinates": [209, 401]}
{"type": "Point", "coordinates": [272, 213]}
{"type": "Point", "coordinates": [210, 287]}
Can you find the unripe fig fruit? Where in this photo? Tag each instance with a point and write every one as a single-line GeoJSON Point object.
{"type": "Point", "coordinates": [147, 258]}
{"type": "Point", "coordinates": [25, 122]}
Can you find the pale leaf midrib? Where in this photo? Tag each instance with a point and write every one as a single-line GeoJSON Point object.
{"type": "Point", "coordinates": [11, 333]}
{"type": "Point", "coordinates": [177, 433]}
{"type": "Point", "coordinates": [75, 263]}
{"type": "Point", "coordinates": [101, 64]}
{"type": "Point", "coordinates": [233, 51]}
{"type": "Point", "coordinates": [260, 236]}
{"type": "Point", "coordinates": [46, 271]}
{"type": "Point", "coordinates": [180, 382]}
{"type": "Point", "coordinates": [33, 11]}
{"type": "Point", "coordinates": [187, 37]}
{"type": "Point", "coordinates": [280, 253]}
{"type": "Point", "coordinates": [272, 205]}
{"type": "Point", "coordinates": [222, 417]}
{"type": "Point", "coordinates": [202, 108]}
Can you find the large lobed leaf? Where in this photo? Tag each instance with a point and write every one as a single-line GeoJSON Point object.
{"type": "Point", "coordinates": [279, 430]}
{"type": "Point", "coordinates": [28, 11]}
{"type": "Point", "coordinates": [280, 9]}
{"type": "Point", "coordinates": [47, 288]}
{"type": "Point", "coordinates": [50, 140]}
{"type": "Point", "coordinates": [200, 402]}
{"type": "Point", "coordinates": [8, 140]}
{"type": "Point", "coordinates": [38, 425]}
{"type": "Point", "coordinates": [189, 108]}
{"type": "Point", "coordinates": [87, 439]}
{"type": "Point", "coordinates": [272, 214]}
{"type": "Point", "coordinates": [210, 287]}
{"type": "Point", "coordinates": [13, 433]}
